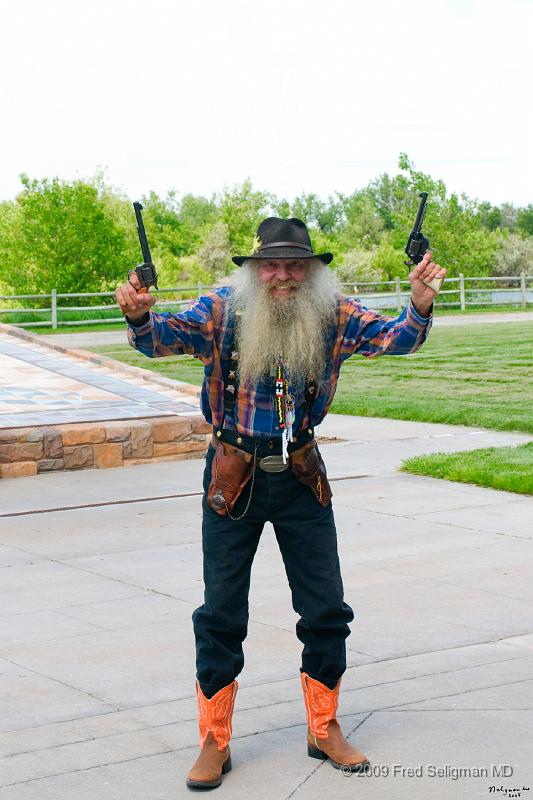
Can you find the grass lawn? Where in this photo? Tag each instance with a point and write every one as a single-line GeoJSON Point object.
{"type": "Point", "coordinates": [478, 375]}
{"type": "Point", "coordinates": [180, 368]}
{"type": "Point", "coordinates": [507, 468]}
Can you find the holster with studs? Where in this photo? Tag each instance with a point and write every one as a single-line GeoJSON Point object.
{"type": "Point", "coordinates": [308, 466]}
{"type": "Point", "coordinates": [231, 469]}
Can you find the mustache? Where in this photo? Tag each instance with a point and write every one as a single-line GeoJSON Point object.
{"type": "Point", "coordinates": [283, 285]}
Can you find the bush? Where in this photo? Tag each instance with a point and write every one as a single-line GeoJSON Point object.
{"type": "Point", "coordinates": [358, 266]}
{"type": "Point", "coordinates": [514, 256]}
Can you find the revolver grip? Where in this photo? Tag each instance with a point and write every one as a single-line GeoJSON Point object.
{"type": "Point", "coordinates": [434, 284]}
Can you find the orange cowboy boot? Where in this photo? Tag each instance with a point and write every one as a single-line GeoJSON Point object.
{"type": "Point", "coordinates": [324, 736]}
{"type": "Point", "coordinates": [214, 722]}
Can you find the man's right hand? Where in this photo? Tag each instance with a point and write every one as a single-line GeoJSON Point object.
{"type": "Point", "coordinates": [131, 301]}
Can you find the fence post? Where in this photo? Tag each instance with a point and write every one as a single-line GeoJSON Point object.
{"type": "Point", "coordinates": [199, 289]}
{"type": "Point", "coordinates": [523, 288]}
{"type": "Point", "coordinates": [54, 308]}
{"type": "Point", "coordinates": [462, 290]}
{"type": "Point", "coordinates": [398, 293]}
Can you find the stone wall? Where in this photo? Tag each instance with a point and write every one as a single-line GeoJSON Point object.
{"type": "Point", "coordinates": [28, 451]}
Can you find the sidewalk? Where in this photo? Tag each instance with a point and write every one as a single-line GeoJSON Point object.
{"type": "Point", "coordinates": [97, 647]}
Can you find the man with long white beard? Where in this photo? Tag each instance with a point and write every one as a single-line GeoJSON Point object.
{"type": "Point", "coordinates": [272, 337]}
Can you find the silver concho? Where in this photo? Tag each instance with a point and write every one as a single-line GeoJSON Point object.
{"type": "Point", "coordinates": [218, 501]}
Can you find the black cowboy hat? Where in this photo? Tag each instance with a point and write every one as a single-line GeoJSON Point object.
{"type": "Point", "coordinates": [283, 238]}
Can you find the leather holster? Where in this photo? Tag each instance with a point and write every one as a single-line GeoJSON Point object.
{"type": "Point", "coordinates": [231, 469]}
{"type": "Point", "coordinates": [308, 466]}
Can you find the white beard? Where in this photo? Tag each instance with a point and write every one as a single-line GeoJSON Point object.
{"type": "Point", "coordinates": [294, 327]}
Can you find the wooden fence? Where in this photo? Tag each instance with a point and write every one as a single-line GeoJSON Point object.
{"type": "Point", "coordinates": [461, 293]}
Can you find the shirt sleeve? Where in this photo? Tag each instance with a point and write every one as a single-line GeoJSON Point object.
{"type": "Point", "coordinates": [372, 334]}
{"type": "Point", "coordinates": [170, 334]}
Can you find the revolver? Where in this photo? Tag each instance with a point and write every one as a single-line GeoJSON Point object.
{"type": "Point", "coordinates": [146, 271]}
{"type": "Point", "coordinates": [417, 244]}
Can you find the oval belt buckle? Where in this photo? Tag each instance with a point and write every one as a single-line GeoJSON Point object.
{"type": "Point", "coordinates": [273, 464]}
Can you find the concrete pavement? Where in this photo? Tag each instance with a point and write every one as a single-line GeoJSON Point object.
{"type": "Point", "coordinates": [97, 648]}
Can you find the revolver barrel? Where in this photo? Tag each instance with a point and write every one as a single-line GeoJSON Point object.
{"type": "Point", "coordinates": [146, 271]}
{"type": "Point", "coordinates": [421, 213]}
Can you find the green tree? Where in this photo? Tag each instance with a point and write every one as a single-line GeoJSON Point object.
{"type": "Point", "coordinates": [242, 209]}
{"type": "Point", "coordinates": [163, 225]}
{"type": "Point", "coordinates": [281, 208]}
{"type": "Point", "coordinates": [509, 216]}
{"type": "Point", "coordinates": [8, 268]}
{"type": "Point", "coordinates": [525, 220]}
{"type": "Point", "coordinates": [197, 213]}
{"type": "Point", "coordinates": [457, 238]}
{"type": "Point", "coordinates": [214, 255]}
{"type": "Point", "coordinates": [81, 235]}
{"type": "Point", "coordinates": [62, 235]}
{"type": "Point", "coordinates": [389, 260]}
{"type": "Point", "coordinates": [363, 224]}
{"type": "Point", "coordinates": [489, 216]}
{"type": "Point", "coordinates": [324, 215]}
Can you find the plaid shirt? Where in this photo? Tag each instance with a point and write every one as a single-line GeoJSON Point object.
{"type": "Point", "coordinates": [206, 331]}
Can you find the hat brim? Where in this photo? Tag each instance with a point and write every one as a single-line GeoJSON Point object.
{"type": "Point", "coordinates": [283, 252]}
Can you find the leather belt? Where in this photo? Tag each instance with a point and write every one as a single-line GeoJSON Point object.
{"type": "Point", "coordinates": [273, 463]}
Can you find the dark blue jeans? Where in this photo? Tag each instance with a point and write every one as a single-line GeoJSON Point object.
{"type": "Point", "coordinates": [307, 538]}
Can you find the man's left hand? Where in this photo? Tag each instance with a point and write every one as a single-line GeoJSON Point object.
{"type": "Point", "coordinates": [422, 296]}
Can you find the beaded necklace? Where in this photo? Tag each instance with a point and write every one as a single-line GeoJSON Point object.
{"type": "Point", "coordinates": [285, 408]}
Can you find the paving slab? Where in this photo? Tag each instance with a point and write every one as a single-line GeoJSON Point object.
{"type": "Point", "coordinates": [41, 386]}
{"type": "Point", "coordinates": [99, 529]}
{"type": "Point", "coordinates": [511, 518]}
{"type": "Point", "coordinates": [65, 489]}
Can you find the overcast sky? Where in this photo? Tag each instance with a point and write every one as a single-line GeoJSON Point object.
{"type": "Point", "coordinates": [298, 95]}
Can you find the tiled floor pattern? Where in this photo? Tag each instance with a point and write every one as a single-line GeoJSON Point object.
{"type": "Point", "coordinates": [42, 386]}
